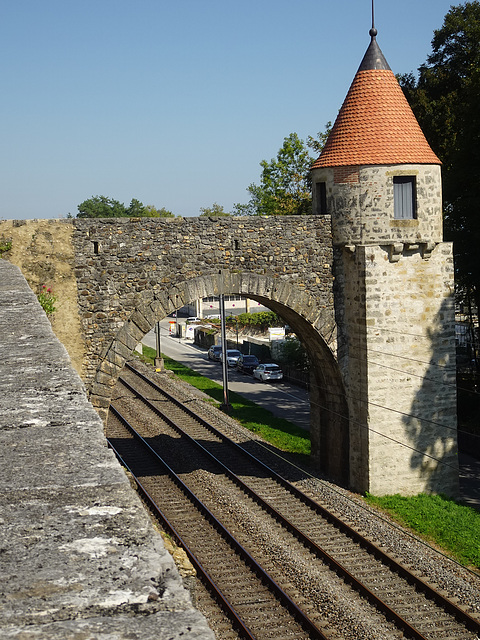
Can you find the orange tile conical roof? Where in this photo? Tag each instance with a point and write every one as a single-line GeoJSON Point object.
{"type": "Point", "coordinates": [375, 125]}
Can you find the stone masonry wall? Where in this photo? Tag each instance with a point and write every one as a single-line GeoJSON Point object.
{"type": "Point", "coordinates": [102, 270]}
{"type": "Point", "coordinates": [362, 205]}
{"type": "Point", "coordinates": [397, 346]}
{"type": "Point", "coordinates": [80, 557]}
{"type": "Point", "coordinates": [124, 265]}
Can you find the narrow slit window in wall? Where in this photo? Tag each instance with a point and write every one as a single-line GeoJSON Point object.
{"type": "Point", "coordinates": [404, 197]}
{"type": "Point", "coordinates": [320, 198]}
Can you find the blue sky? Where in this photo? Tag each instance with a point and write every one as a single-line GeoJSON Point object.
{"type": "Point", "coordinates": [176, 103]}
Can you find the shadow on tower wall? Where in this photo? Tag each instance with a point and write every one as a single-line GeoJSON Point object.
{"type": "Point", "coordinates": [431, 425]}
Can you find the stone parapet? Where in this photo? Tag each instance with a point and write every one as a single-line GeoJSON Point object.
{"type": "Point", "coordinates": [79, 555]}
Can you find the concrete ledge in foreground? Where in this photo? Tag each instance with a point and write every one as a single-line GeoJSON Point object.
{"type": "Point", "coordinates": [79, 557]}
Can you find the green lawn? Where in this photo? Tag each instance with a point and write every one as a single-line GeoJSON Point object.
{"type": "Point", "coordinates": [453, 527]}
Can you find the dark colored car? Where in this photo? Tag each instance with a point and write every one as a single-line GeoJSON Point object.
{"type": "Point", "coordinates": [246, 364]}
{"type": "Point", "coordinates": [214, 352]}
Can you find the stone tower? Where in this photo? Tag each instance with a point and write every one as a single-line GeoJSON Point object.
{"type": "Point", "coordinates": [381, 183]}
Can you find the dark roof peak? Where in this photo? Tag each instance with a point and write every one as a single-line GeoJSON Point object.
{"type": "Point", "coordinates": [373, 58]}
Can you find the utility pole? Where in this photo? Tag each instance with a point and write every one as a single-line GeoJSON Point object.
{"type": "Point", "coordinates": [226, 404]}
{"type": "Point", "coordinates": [159, 363]}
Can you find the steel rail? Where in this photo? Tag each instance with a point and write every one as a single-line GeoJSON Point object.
{"type": "Point", "coordinates": [218, 595]}
{"type": "Point", "coordinates": [334, 565]}
{"type": "Point", "coordinates": [284, 598]}
{"type": "Point", "coordinates": [450, 607]}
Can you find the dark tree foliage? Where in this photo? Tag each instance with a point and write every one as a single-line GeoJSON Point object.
{"type": "Point", "coordinates": [446, 101]}
{"type": "Point", "coordinates": [102, 207]}
{"type": "Point", "coordinates": [215, 211]}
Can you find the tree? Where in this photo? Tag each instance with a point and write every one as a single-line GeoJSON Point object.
{"type": "Point", "coordinates": [102, 207]}
{"type": "Point", "coordinates": [215, 210]}
{"type": "Point", "coordinates": [285, 187]}
{"type": "Point", "coordinates": [293, 353]}
{"type": "Point", "coordinates": [317, 144]}
{"type": "Point", "coordinates": [153, 212]}
{"type": "Point", "coordinates": [136, 209]}
{"type": "Point", "coordinates": [445, 99]}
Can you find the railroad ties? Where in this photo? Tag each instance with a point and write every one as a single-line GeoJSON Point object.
{"type": "Point", "coordinates": [277, 563]}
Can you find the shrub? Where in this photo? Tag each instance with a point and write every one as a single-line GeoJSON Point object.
{"type": "Point", "coordinates": [47, 300]}
{"type": "Point", "coordinates": [5, 245]}
{"type": "Point", "coordinates": [261, 319]}
{"type": "Point", "coordinates": [292, 352]}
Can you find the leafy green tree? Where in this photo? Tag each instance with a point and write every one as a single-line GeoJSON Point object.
{"type": "Point", "coordinates": [136, 209]}
{"type": "Point", "coordinates": [445, 98]}
{"type": "Point", "coordinates": [293, 353]}
{"type": "Point", "coordinates": [214, 210]}
{"type": "Point", "coordinates": [260, 319]}
{"type": "Point", "coordinates": [101, 207]}
{"type": "Point", "coordinates": [153, 212]}
{"type": "Point", "coordinates": [317, 144]}
{"type": "Point", "coordinates": [285, 186]}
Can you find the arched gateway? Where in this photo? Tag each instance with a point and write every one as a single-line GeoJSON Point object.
{"type": "Point", "coordinates": [134, 273]}
{"type": "Point", "coordinates": [313, 323]}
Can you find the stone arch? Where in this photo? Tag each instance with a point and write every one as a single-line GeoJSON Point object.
{"type": "Point", "coordinates": [311, 319]}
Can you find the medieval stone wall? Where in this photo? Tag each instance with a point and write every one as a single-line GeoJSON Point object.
{"type": "Point", "coordinates": [396, 340]}
{"type": "Point", "coordinates": [377, 319]}
{"type": "Point", "coordinates": [102, 270]}
{"type": "Point", "coordinates": [123, 265]}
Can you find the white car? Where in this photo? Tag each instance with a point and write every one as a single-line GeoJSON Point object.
{"type": "Point", "coordinates": [265, 372]}
{"type": "Point", "coordinates": [232, 357]}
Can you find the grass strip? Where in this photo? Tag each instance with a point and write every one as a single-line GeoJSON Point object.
{"type": "Point", "coordinates": [438, 519]}
{"type": "Point", "coordinates": [279, 432]}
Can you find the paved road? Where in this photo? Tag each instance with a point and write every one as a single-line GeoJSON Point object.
{"type": "Point", "coordinates": [282, 399]}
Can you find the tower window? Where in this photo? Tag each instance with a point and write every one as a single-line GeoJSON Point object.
{"type": "Point", "coordinates": [320, 198]}
{"type": "Point", "coordinates": [404, 197]}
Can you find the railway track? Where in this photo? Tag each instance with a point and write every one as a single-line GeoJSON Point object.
{"type": "Point", "coordinates": [279, 558]}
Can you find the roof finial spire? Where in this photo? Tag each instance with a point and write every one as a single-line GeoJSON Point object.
{"type": "Point", "coordinates": [373, 32]}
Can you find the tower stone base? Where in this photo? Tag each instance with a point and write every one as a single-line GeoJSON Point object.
{"type": "Point", "coordinates": [396, 349]}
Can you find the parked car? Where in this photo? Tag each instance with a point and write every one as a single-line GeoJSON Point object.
{"type": "Point", "coordinates": [232, 357]}
{"type": "Point", "coordinates": [266, 372]}
{"type": "Point", "coordinates": [192, 319]}
{"type": "Point", "coordinates": [247, 363]}
{"type": "Point", "coordinates": [214, 352]}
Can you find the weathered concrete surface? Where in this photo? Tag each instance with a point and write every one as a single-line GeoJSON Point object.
{"type": "Point", "coordinates": [79, 556]}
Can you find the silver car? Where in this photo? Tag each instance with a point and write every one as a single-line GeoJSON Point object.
{"type": "Point", "coordinates": [232, 357]}
{"type": "Point", "coordinates": [215, 352]}
{"type": "Point", "coordinates": [265, 372]}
